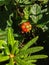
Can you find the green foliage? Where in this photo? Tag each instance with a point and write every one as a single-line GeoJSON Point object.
{"type": "Point", "coordinates": [30, 43]}
{"type": "Point", "coordinates": [2, 2]}
{"type": "Point", "coordinates": [32, 50]}
{"type": "Point", "coordinates": [2, 35]}
{"type": "Point", "coordinates": [20, 56]}
{"type": "Point", "coordinates": [17, 47]}
{"type": "Point", "coordinates": [10, 38]}
{"type": "Point", "coordinates": [3, 58]}
{"type": "Point", "coordinates": [36, 13]}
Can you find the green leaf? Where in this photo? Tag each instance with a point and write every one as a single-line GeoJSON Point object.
{"type": "Point", "coordinates": [26, 12]}
{"type": "Point", "coordinates": [9, 21]}
{"type": "Point", "coordinates": [35, 9]}
{"type": "Point", "coordinates": [43, 27]}
{"type": "Point", "coordinates": [32, 50]}
{"type": "Point", "coordinates": [34, 57]}
{"type": "Point", "coordinates": [27, 2]}
{"type": "Point", "coordinates": [1, 43]}
{"type": "Point", "coordinates": [11, 62]}
{"type": "Point", "coordinates": [31, 42]}
{"type": "Point", "coordinates": [2, 35]}
{"type": "Point", "coordinates": [24, 20]}
{"type": "Point", "coordinates": [10, 36]}
{"type": "Point", "coordinates": [17, 64]}
{"type": "Point", "coordinates": [3, 58]}
{"type": "Point", "coordinates": [6, 50]}
{"type": "Point", "coordinates": [22, 1]}
{"type": "Point", "coordinates": [45, 1]}
{"type": "Point", "coordinates": [20, 61]}
{"type": "Point", "coordinates": [31, 64]}
{"type": "Point", "coordinates": [31, 61]}
{"type": "Point", "coordinates": [36, 13]}
{"type": "Point", "coordinates": [35, 18]}
{"type": "Point", "coordinates": [16, 47]}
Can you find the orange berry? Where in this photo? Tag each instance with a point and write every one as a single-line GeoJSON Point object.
{"type": "Point", "coordinates": [26, 27]}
